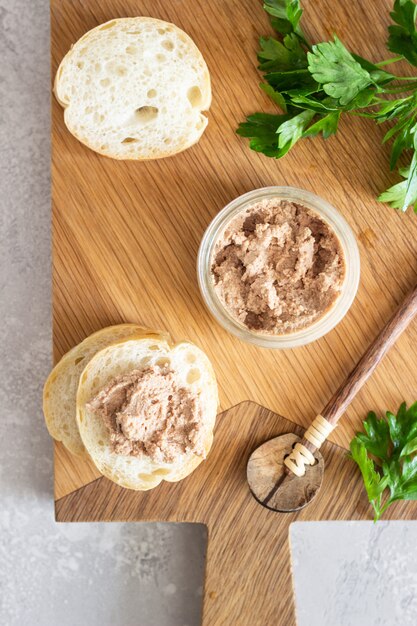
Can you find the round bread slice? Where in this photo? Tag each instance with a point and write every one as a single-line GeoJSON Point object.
{"type": "Point", "coordinates": [135, 88]}
{"type": "Point", "coordinates": [60, 390]}
{"type": "Point", "coordinates": [195, 373]}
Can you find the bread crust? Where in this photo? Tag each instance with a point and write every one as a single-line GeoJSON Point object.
{"type": "Point", "coordinates": [89, 38]}
{"type": "Point", "coordinates": [141, 473]}
{"type": "Point", "coordinates": [59, 409]}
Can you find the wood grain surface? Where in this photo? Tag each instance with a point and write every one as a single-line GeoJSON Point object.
{"type": "Point", "coordinates": [125, 240]}
{"type": "Point", "coordinates": [383, 342]}
{"type": "Point", "coordinates": [248, 573]}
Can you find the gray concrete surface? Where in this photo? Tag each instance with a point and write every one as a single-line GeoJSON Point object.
{"type": "Point", "coordinates": [72, 574]}
{"type": "Point", "coordinates": [355, 573]}
{"type": "Point", "coordinates": [121, 574]}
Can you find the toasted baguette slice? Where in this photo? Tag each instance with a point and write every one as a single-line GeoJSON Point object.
{"type": "Point", "coordinates": [195, 372]}
{"type": "Point", "coordinates": [60, 390]}
{"type": "Point", "coordinates": [135, 88]}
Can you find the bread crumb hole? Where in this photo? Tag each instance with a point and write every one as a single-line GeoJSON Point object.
{"type": "Point", "coordinates": [104, 147]}
{"type": "Point", "coordinates": [193, 375]}
{"type": "Point", "coordinates": [78, 360]}
{"type": "Point", "coordinates": [120, 70]}
{"type": "Point", "coordinates": [160, 57]}
{"type": "Point", "coordinates": [153, 347]}
{"type": "Point", "coordinates": [105, 82]}
{"type": "Point", "coordinates": [164, 362]}
{"type": "Point", "coordinates": [129, 140]}
{"type": "Point", "coordinates": [161, 472]}
{"type": "Point", "coordinates": [195, 96]}
{"type": "Point", "coordinates": [84, 377]}
{"type": "Point", "coordinates": [131, 50]}
{"type": "Point", "coordinates": [108, 25]}
{"type": "Point", "coordinates": [100, 442]}
{"type": "Point", "coordinates": [168, 45]}
{"type": "Point", "coordinates": [146, 114]}
{"type": "Point", "coordinates": [167, 141]}
{"type": "Point", "coordinates": [134, 32]}
{"type": "Point", "coordinates": [80, 65]}
{"type": "Point", "coordinates": [144, 477]}
{"type": "Point", "coordinates": [97, 68]}
{"type": "Point", "coordinates": [191, 358]}
{"type": "Point", "coordinates": [151, 93]}
{"type": "Point", "coordinates": [80, 417]}
{"type": "Point", "coordinates": [161, 31]}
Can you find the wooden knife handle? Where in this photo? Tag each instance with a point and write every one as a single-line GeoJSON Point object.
{"type": "Point", "coordinates": [339, 402]}
{"type": "Point", "coordinates": [334, 409]}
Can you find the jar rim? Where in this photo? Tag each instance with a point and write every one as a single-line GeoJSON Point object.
{"type": "Point", "coordinates": [326, 322]}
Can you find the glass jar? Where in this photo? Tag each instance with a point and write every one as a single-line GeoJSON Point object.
{"type": "Point", "coordinates": [325, 323]}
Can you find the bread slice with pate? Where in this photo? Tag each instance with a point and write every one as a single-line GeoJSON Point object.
{"type": "Point", "coordinates": [60, 390]}
{"type": "Point", "coordinates": [135, 88]}
{"type": "Point", "coordinates": [146, 410]}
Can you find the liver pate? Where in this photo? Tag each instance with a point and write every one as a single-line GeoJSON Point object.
{"type": "Point", "coordinates": [277, 267]}
{"type": "Point", "coordinates": [148, 412]}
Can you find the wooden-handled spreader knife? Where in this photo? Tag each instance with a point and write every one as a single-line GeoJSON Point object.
{"type": "Point", "coordinates": [285, 473]}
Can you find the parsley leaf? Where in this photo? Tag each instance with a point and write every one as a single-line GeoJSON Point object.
{"type": "Point", "coordinates": [285, 15]}
{"type": "Point", "coordinates": [297, 80]}
{"type": "Point", "coordinates": [386, 456]}
{"type": "Point", "coordinates": [376, 437]}
{"type": "Point", "coordinates": [403, 35]}
{"type": "Point", "coordinates": [277, 97]}
{"type": "Point", "coordinates": [315, 85]}
{"type": "Point", "coordinates": [292, 130]}
{"type": "Point", "coordinates": [281, 56]}
{"type": "Point", "coordinates": [411, 186]}
{"type": "Point", "coordinates": [404, 194]}
{"type": "Point", "coordinates": [261, 128]}
{"type": "Point", "coordinates": [374, 483]}
{"type": "Point", "coordinates": [395, 195]}
{"type": "Point", "coordinates": [333, 66]}
{"type": "Point", "coordinates": [327, 125]}
{"type": "Point", "coordinates": [378, 76]}
{"type": "Point", "coordinates": [314, 103]}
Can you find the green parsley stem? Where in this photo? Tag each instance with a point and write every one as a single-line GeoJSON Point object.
{"type": "Point", "coordinates": [389, 61]}
{"type": "Point", "coordinates": [359, 114]}
{"type": "Point", "coordinates": [400, 88]}
{"type": "Point", "coordinates": [406, 78]}
{"type": "Point", "coordinates": [384, 508]}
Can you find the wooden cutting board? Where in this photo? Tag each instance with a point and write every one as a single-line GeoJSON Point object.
{"type": "Point", "coordinates": [248, 572]}
{"type": "Point", "coordinates": [125, 239]}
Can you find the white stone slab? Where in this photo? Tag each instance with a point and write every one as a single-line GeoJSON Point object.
{"type": "Point", "coordinates": [355, 573]}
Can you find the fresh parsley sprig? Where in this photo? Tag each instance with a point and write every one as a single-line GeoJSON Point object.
{"type": "Point", "coordinates": [315, 84]}
{"type": "Point", "coordinates": [386, 454]}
